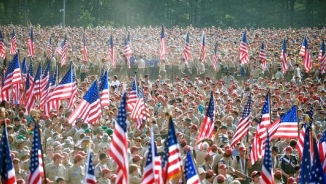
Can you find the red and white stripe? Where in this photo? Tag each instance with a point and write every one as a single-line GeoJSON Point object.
{"type": "Point", "coordinates": [13, 45]}
{"type": "Point", "coordinates": [244, 53]}
{"type": "Point", "coordinates": [140, 110]}
{"type": "Point", "coordinates": [31, 48]}
{"type": "Point", "coordinates": [88, 112]}
{"type": "Point", "coordinates": [113, 58]}
{"type": "Point", "coordinates": [163, 45]}
{"type": "Point", "coordinates": [119, 145]}
{"type": "Point", "coordinates": [36, 176]}
{"type": "Point", "coordinates": [105, 97]}
{"type": "Point", "coordinates": [202, 49]}
{"type": "Point", "coordinates": [300, 141]}
{"type": "Point", "coordinates": [284, 64]}
{"type": "Point", "coordinates": [241, 130]}
{"type": "Point", "coordinates": [287, 130]}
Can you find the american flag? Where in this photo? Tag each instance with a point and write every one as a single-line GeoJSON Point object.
{"type": "Point", "coordinates": [90, 175]}
{"type": "Point", "coordinates": [52, 104]}
{"type": "Point", "coordinates": [104, 89]}
{"type": "Point", "coordinates": [322, 58]}
{"type": "Point", "coordinates": [163, 45]}
{"type": "Point", "coordinates": [304, 52]}
{"type": "Point", "coordinates": [191, 174]}
{"type": "Point", "coordinates": [111, 54]}
{"type": "Point", "coordinates": [215, 57]}
{"type": "Point", "coordinates": [262, 55]}
{"type": "Point", "coordinates": [73, 98]}
{"type": "Point", "coordinates": [7, 171]}
{"type": "Point", "coordinates": [30, 44]}
{"type": "Point", "coordinates": [244, 53]}
{"type": "Point", "coordinates": [303, 47]}
{"type": "Point", "coordinates": [243, 125]}
{"type": "Point", "coordinates": [36, 163]}
{"type": "Point", "coordinates": [45, 76]}
{"type": "Point", "coordinates": [206, 130]}
{"type": "Point", "coordinates": [300, 141]}
{"type": "Point", "coordinates": [12, 77]}
{"type": "Point", "coordinates": [24, 70]}
{"type": "Point", "coordinates": [267, 169]}
{"type": "Point", "coordinates": [306, 158]}
{"type": "Point", "coordinates": [153, 168]}
{"type": "Point", "coordinates": [28, 92]}
{"type": "Point", "coordinates": [127, 49]}
{"type": "Point", "coordinates": [66, 87]}
{"type": "Point", "coordinates": [171, 164]}
{"type": "Point", "coordinates": [37, 82]}
{"type": "Point", "coordinates": [140, 110]}
{"type": "Point", "coordinates": [62, 50]}
{"type": "Point", "coordinates": [202, 50]}
{"type": "Point", "coordinates": [49, 49]}
{"type": "Point", "coordinates": [89, 109]}
{"type": "Point", "coordinates": [31, 72]}
{"type": "Point", "coordinates": [45, 92]}
{"type": "Point", "coordinates": [83, 49]}
{"type": "Point", "coordinates": [132, 96]}
{"type": "Point", "coordinates": [2, 47]}
{"type": "Point", "coordinates": [285, 64]}
{"type": "Point", "coordinates": [257, 145]}
{"type": "Point", "coordinates": [288, 127]}
{"type": "Point", "coordinates": [119, 145]}
{"type": "Point", "coordinates": [186, 50]}
{"type": "Point", "coordinates": [13, 44]}
{"type": "Point", "coordinates": [322, 150]}
{"type": "Point", "coordinates": [317, 174]}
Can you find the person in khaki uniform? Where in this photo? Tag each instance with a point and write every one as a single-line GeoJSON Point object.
{"type": "Point", "coordinates": [134, 175]}
{"type": "Point", "coordinates": [105, 177]}
{"type": "Point", "coordinates": [76, 173]}
{"type": "Point", "coordinates": [55, 169]}
{"type": "Point", "coordinates": [20, 173]}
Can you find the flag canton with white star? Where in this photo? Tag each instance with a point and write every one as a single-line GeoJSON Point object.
{"type": "Point", "coordinates": [92, 94]}
{"type": "Point", "coordinates": [34, 162]}
{"type": "Point", "coordinates": [306, 158]}
{"type": "Point", "coordinates": [323, 137]}
{"type": "Point", "coordinates": [104, 82]}
{"type": "Point", "coordinates": [284, 46]}
{"type": "Point", "coordinates": [210, 109]}
{"type": "Point", "coordinates": [316, 172]}
{"type": "Point", "coordinates": [290, 116]}
{"type": "Point", "coordinates": [38, 74]}
{"type": "Point", "coordinates": [190, 169]}
{"type": "Point", "coordinates": [47, 69]}
{"type": "Point", "coordinates": [310, 114]}
{"type": "Point", "coordinates": [90, 170]}
{"type": "Point", "coordinates": [267, 176]}
{"type": "Point", "coordinates": [24, 67]}
{"type": "Point", "coordinates": [68, 78]}
{"type": "Point", "coordinates": [247, 108]}
{"type": "Point", "coordinates": [30, 68]}
{"type": "Point", "coordinates": [266, 106]}
{"type": "Point", "coordinates": [244, 37]}
{"type": "Point", "coordinates": [162, 33]}
{"type": "Point", "coordinates": [5, 157]}
{"type": "Point", "coordinates": [121, 118]}
{"type": "Point", "coordinates": [172, 140]}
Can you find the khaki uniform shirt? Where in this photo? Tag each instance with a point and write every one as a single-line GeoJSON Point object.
{"type": "Point", "coordinates": [103, 181]}
{"type": "Point", "coordinates": [53, 171]}
{"type": "Point", "coordinates": [21, 174]}
{"type": "Point", "coordinates": [75, 175]}
{"type": "Point", "coordinates": [134, 179]}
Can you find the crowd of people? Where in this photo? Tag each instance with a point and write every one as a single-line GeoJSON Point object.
{"type": "Point", "coordinates": [183, 95]}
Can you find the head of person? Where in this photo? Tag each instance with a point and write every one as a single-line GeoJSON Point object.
{"type": "Point", "coordinates": [222, 169]}
{"type": "Point", "coordinates": [255, 176]}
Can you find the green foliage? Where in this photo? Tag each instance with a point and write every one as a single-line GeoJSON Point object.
{"type": "Point", "coordinates": [199, 13]}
